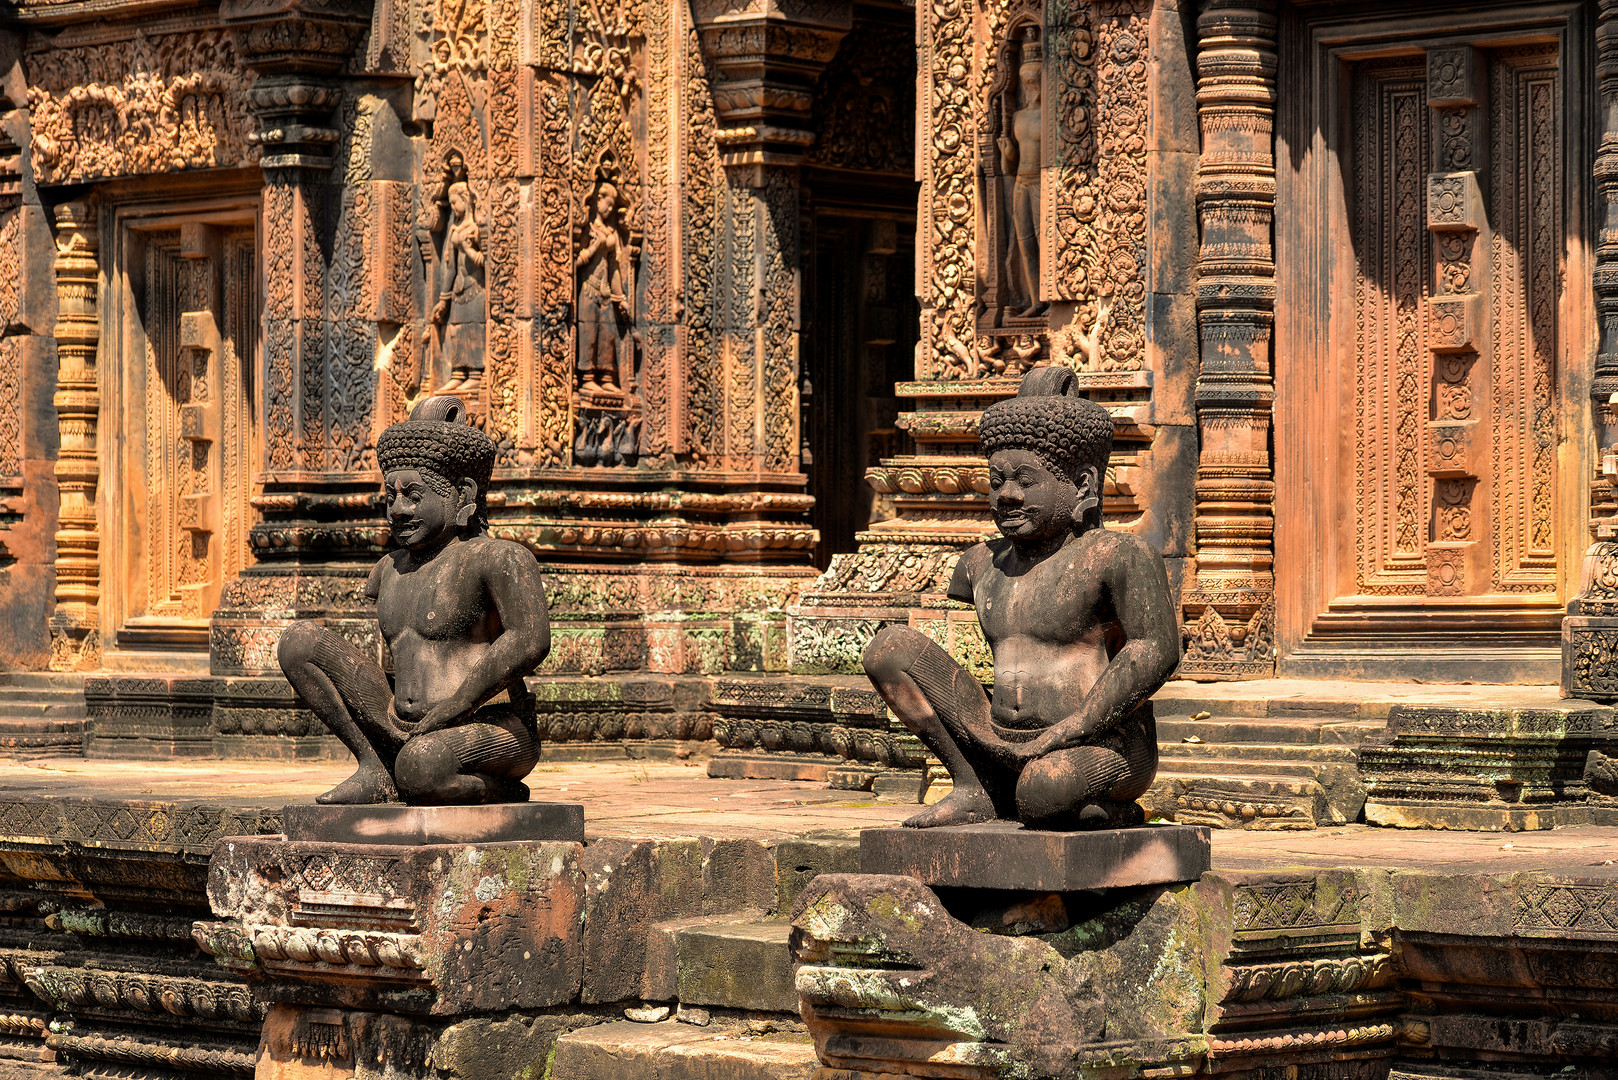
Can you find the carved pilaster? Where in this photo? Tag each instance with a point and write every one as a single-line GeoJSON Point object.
{"type": "Point", "coordinates": [1230, 604]}
{"type": "Point", "coordinates": [766, 58]}
{"type": "Point", "coordinates": [75, 634]}
{"type": "Point", "coordinates": [1590, 632]}
{"type": "Point", "coordinates": [316, 515]}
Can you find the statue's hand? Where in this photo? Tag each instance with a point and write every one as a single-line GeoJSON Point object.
{"type": "Point", "coordinates": [399, 728]}
{"type": "Point", "coordinates": [1012, 755]}
{"type": "Point", "coordinates": [440, 716]}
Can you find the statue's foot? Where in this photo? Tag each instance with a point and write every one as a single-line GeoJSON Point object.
{"type": "Point", "coordinates": [500, 790]}
{"type": "Point", "coordinates": [456, 378]}
{"type": "Point", "coordinates": [474, 381]}
{"type": "Point", "coordinates": [960, 807]}
{"type": "Point", "coordinates": [367, 785]}
{"type": "Point", "coordinates": [1601, 773]}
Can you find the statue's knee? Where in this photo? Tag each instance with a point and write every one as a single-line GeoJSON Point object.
{"type": "Point", "coordinates": [890, 653]}
{"type": "Point", "coordinates": [297, 644]}
{"type": "Point", "coordinates": [1046, 789]}
{"type": "Point", "coordinates": [423, 767]}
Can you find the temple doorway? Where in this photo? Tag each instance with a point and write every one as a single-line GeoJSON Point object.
{"type": "Point", "coordinates": [183, 356]}
{"type": "Point", "coordinates": [861, 319]}
{"type": "Point", "coordinates": [1427, 412]}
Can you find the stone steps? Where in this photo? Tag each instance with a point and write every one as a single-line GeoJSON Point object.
{"type": "Point", "coordinates": [41, 714]}
{"type": "Point", "coordinates": [1257, 771]}
{"type": "Point", "coordinates": [671, 1050]}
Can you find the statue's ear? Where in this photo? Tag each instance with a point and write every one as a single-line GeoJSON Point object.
{"type": "Point", "coordinates": [1089, 493]}
{"type": "Point", "coordinates": [469, 502]}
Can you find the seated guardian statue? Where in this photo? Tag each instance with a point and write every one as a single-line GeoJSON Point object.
{"type": "Point", "coordinates": [464, 615]}
{"type": "Point", "coordinates": [1080, 622]}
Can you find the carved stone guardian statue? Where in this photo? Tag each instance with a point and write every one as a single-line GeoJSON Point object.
{"type": "Point", "coordinates": [465, 617]}
{"type": "Point", "coordinates": [460, 306]}
{"type": "Point", "coordinates": [1080, 622]}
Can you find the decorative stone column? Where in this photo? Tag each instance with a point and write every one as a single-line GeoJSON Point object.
{"type": "Point", "coordinates": [1590, 631]}
{"type": "Point", "coordinates": [766, 58]}
{"type": "Point", "coordinates": [75, 631]}
{"type": "Point", "coordinates": [1230, 602]}
{"type": "Point", "coordinates": [320, 523]}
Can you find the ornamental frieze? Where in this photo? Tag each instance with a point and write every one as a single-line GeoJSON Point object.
{"type": "Point", "coordinates": [157, 103]}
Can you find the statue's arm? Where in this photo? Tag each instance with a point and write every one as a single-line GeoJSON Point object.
{"type": "Point", "coordinates": [373, 584]}
{"type": "Point", "coordinates": [512, 579]}
{"type": "Point", "coordinates": [1138, 586]}
{"type": "Point", "coordinates": [965, 577]}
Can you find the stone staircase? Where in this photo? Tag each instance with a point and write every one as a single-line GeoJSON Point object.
{"type": "Point", "coordinates": [1259, 773]}
{"type": "Point", "coordinates": [42, 714]}
{"type": "Point", "coordinates": [720, 1001]}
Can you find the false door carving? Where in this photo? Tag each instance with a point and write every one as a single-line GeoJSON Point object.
{"type": "Point", "coordinates": [1428, 432]}
{"type": "Point", "coordinates": [192, 329]}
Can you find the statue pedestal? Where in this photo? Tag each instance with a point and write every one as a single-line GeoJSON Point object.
{"type": "Point", "coordinates": [1004, 855]}
{"type": "Point", "coordinates": [413, 826]}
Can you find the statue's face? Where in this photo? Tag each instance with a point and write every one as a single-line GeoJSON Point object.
{"type": "Point", "coordinates": [420, 516]}
{"type": "Point", "coordinates": [458, 200]}
{"type": "Point", "coordinates": [606, 202]}
{"type": "Point", "coordinates": [1028, 501]}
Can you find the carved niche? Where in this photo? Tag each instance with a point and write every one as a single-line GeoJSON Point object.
{"type": "Point", "coordinates": [1078, 297]}
{"type": "Point", "coordinates": [1011, 158]}
{"type": "Point", "coordinates": [600, 314]}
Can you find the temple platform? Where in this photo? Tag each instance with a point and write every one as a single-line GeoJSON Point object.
{"type": "Point", "coordinates": [682, 947]}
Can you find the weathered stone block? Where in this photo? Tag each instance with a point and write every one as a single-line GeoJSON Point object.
{"type": "Point", "coordinates": [432, 929]}
{"type": "Point", "coordinates": [675, 1051]}
{"type": "Point", "coordinates": [1003, 855]}
{"type": "Point", "coordinates": [737, 966]}
{"type": "Point", "coordinates": [798, 862]}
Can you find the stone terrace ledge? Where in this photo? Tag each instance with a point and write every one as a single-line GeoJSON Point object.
{"type": "Point", "coordinates": [1350, 944]}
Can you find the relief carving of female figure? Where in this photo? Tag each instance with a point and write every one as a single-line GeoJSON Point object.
{"type": "Point", "coordinates": [460, 309]}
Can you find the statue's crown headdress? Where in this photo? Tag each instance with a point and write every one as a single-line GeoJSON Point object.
{"type": "Point", "coordinates": [437, 439]}
{"type": "Point", "coordinates": [1033, 50]}
{"type": "Point", "coordinates": [1049, 418]}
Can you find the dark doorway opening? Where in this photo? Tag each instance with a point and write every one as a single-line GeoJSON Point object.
{"type": "Point", "coordinates": [861, 317]}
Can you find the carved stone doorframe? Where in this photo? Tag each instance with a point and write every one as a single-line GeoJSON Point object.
{"type": "Point", "coordinates": [1432, 364]}
{"type": "Point", "coordinates": [178, 370]}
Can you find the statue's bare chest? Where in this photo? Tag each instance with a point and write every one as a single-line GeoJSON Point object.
{"type": "Point", "coordinates": [443, 599]}
{"type": "Point", "coordinates": [1056, 600]}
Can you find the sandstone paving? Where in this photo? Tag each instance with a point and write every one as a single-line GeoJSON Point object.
{"type": "Point", "coordinates": [664, 799]}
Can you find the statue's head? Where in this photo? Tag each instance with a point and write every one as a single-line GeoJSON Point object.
{"type": "Point", "coordinates": [460, 198]}
{"type": "Point", "coordinates": [1031, 65]}
{"type": "Point", "coordinates": [1047, 450]}
{"type": "Point", "coordinates": [606, 200]}
{"type": "Point", "coordinates": [435, 474]}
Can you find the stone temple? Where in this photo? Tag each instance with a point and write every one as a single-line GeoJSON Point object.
{"type": "Point", "coordinates": [728, 286]}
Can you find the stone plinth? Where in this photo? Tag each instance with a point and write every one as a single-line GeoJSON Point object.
{"type": "Point", "coordinates": [1004, 855]}
{"type": "Point", "coordinates": [1491, 768]}
{"type": "Point", "coordinates": [423, 929]}
{"type": "Point", "coordinates": [395, 824]}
